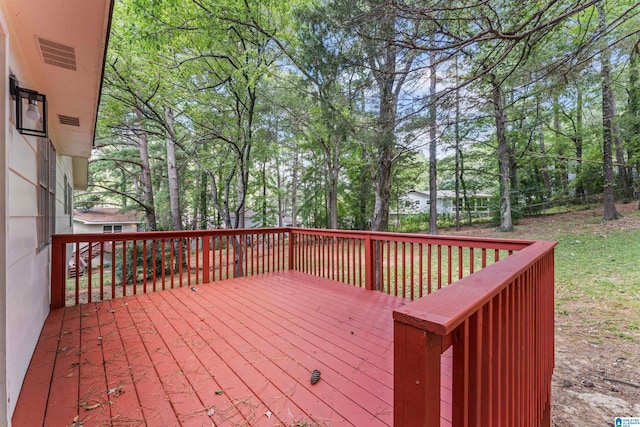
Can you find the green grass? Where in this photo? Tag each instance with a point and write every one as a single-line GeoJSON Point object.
{"type": "Point", "coordinates": [598, 281]}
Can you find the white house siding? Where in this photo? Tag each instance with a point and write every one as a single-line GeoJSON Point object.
{"type": "Point", "coordinates": [3, 218]}
{"type": "Point", "coordinates": [24, 278]}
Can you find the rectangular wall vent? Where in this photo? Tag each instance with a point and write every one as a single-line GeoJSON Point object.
{"type": "Point", "coordinates": [57, 54]}
{"type": "Point", "coordinates": [69, 121]}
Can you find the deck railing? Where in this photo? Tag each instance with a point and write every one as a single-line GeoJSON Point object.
{"type": "Point", "coordinates": [95, 267]}
{"type": "Point", "coordinates": [404, 265]}
{"type": "Point", "coordinates": [496, 321]}
{"type": "Point", "coordinates": [499, 323]}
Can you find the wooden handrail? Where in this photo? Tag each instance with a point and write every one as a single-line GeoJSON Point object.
{"type": "Point", "coordinates": [164, 259]}
{"type": "Point", "coordinates": [499, 322]}
{"type": "Point", "coordinates": [389, 262]}
{"type": "Point", "coordinates": [444, 311]}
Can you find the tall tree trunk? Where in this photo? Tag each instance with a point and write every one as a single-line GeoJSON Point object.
{"type": "Point", "coordinates": [364, 193]}
{"type": "Point", "coordinates": [331, 152]}
{"type": "Point", "coordinates": [240, 211]}
{"type": "Point", "coordinates": [433, 181]}
{"type": "Point", "coordinates": [204, 208]}
{"type": "Point", "coordinates": [506, 223]}
{"type": "Point", "coordinates": [562, 167]}
{"type": "Point", "coordinates": [264, 194]}
{"type": "Point", "coordinates": [172, 172]}
{"type": "Point", "coordinates": [145, 174]}
{"type": "Point", "coordinates": [389, 80]}
{"type": "Point", "coordinates": [294, 187]}
{"type": "Point", "coordinates": [610, 212]}
{"type": "Point", "coordinates": [634, 110]}
{"type": "Point", "coordinates": [456, 131]}
{"type": "Point", "coordinates": [577, 141]}
{"type": "Point", "coordinates": [280, 189]}
{"type": "Point", "coordinates": [623, 178]}
{"type": "Point", "coordinates": [546, 179]}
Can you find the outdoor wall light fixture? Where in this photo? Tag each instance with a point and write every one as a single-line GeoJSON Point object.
{"type": "Point", "coordinates": [30, 119]}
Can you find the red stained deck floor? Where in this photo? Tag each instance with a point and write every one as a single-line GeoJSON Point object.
{"type": "Point", "coordinates": [237, 352]}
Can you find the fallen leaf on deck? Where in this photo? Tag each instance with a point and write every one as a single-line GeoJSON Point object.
{"type": "Point", "coordinates": [219, 392]}
{"type": "Point", "coordinates": [90, 407]}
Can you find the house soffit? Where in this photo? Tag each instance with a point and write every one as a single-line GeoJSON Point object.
{"type": "Point", "coordinates": [63, 44]}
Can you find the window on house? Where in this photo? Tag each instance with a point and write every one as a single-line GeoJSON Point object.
{"type": "Point", "coordinates": [112, 229]}
{"type": "Point", "coordinates": [68, 200]}
{"type": "Point", "coordinates": [46, 191]}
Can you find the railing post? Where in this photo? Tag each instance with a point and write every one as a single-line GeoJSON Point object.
{"type": "Point", "coordinates": [416, 376]}
{"type": "Point", "coordinates": [291, 251]}
{"type": "Point", "coordinates": [369, 263]}
{"type": "Point", "coordinates": [58, 260]}
{"type": "Point", "coordinates": [205, 259]}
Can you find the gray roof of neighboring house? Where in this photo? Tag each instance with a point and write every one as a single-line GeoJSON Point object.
{"type": "Point", "coordinates": [107, 216]}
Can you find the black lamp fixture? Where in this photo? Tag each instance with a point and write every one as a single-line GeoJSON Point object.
{"type": "Point", "coordinates": [31, 109]}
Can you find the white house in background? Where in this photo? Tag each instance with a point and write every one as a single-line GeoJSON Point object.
{"type": "Point", "coordinates": [106, 220]}
{"type": "Point", "coordinates": [52, 48]}
{"type": "Point", "coordinates": [420, 202]}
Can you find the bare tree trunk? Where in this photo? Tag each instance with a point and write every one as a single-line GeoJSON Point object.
{"type": "Point", "coordinates": [204, 211]}
{"type": "Point", "coordinates": [240, 212]}
{"type": "Point", "coordinates": [506, 223]}
{"type": "Point", "coordinates": [562, 167]}
{"type": "Point", "coordinates": [458, 151]}
{"type": "Point", "coordinates": [577, 140]}
{"type": "Point", "coordinates": [331, 153]}
{"type": "Point", "coordinates": [145, 174]}
{"type": "Point", "coordinates": [294, 188]}
{"type": "Point", "coordinates": [623, 180]}
{"type": "Point", "coordinates": [546, 179]}
{"type": "Point", "coordinates": [433, 182]}
{"type": "Point", "coordinates": [174, 185]}
{"type": "Point", "coordinates": [264, 194]}
{"type": "Point", "coordinates": [610, 212]}
{"type": "Point", "coordinates": [280, 189]}
{"type": "Point", "coordinates": [634, 110]}
{"type": "Point", "coordinates": [390, 80]}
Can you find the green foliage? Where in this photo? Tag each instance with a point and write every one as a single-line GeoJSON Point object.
{"type": "Point", "coordinates": [277, 104]}
{"type": "Point", "coordinates": [135, 266]}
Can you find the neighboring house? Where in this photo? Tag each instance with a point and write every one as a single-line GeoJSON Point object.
{"type": "Point", "coordinates": [106, 220]}
{"type": "Point", "coordinates": [100, 220]}
{"type": "Point", "coordinates": [420, 202]}
{"type": "Point", "coordinates": [52, 48]}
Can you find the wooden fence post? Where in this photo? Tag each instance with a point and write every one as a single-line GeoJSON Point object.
{"type": "Point", "coordinates": [416, 376]}
{"type": "Point", "coordinates": [58, 258]}
{"type": "Point", "coordinates": [291, 251]}
{"type": "Point", "coordinates": [369, 263]}
{"type": "Point", "coordinates": [205, 259]}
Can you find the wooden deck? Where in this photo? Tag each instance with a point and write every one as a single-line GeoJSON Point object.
{"type": "Point", "coordinates": [236, 352]}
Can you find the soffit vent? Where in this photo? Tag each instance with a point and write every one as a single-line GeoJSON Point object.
{"type": "Point", "coordinates": [69, 121]}
{"type": "Point", "coordinates": [57, 54]}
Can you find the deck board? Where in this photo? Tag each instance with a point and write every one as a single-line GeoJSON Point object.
{"type": "Point", "coordinates": [238, 352]}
